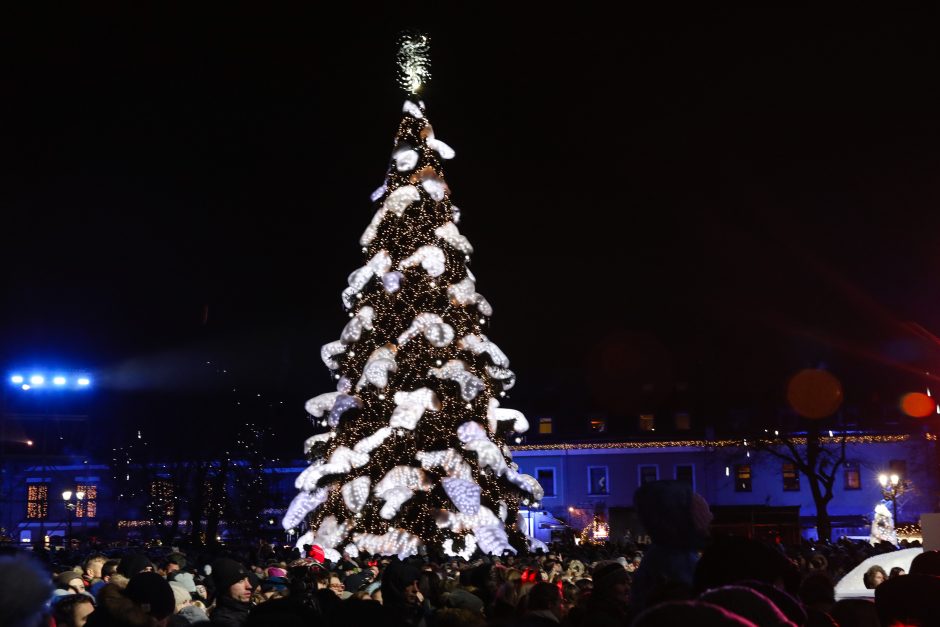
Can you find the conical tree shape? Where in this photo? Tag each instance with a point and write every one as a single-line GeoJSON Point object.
{"type": "Point", "coordinates": [415, 459]}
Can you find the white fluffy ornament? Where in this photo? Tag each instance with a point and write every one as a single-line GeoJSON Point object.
{"type": "Point", "coordinates": [463, 493]}
{"type": "Point", "coordinates": [448, 460]}
{"type": "Point", "coordinates": [380, 263]}
{"type": "Point", "coordinates": [303, 504]}
{"type": "Point", "coordinates": [343, 403]}
{"type": "Point", "coordinates": [527, 482]}
{"type": "Point", "coordinates": [400, 199]}
{"type": "Point", "coordinates": [380, 363]}
{"type": "Point", "coordinates": [393, 542]}
{"type": "Point", "coordinates": [313, 440]}
{"type": "Point", "coordinates": [456, 370]}
{"type": "Point", "coordinates": [432, 326]}
{"type": "Point", "coordinates": [319, 405]}
{"type": "Point", "coordinates": [405, 158]}
{"type": "Point", "coordinates": [479, 344]}
{"type": "Point", "coordinates": [413, 110]}
{"type": "Point", "coordinates": [488, 455]}
{"type": "Point", "coordinates": [354, 328]}
{"type": "Point", "coordinates": [459, 522]}
{"type": "Point", "coordinates": [504, 375]}
{"type": "Point", "coordinates": [451, 234]}
{"type": "Point", "coordinates": [391, 281]}
{"type": "Point", "coordinates": [372, 442]}
{"type": "Point", "coordinates": [492, 540]}
{"type": "Point", "coordinates": [411, 407]}
{"type": "Point", "coordinates": [469, 546]}
{"type": "Point", "coordinates": [431, 259]}
{"type": "Point", "coordinates": [445, 151]}
{"type": "Point", "coordinates": [330, 533]}
{"type": "Point", "coordinates": [464, 293]}
{"type": "Point", "coordinates": [328, 351]}
{"type": "Point", "coordinates": [495, 414]}
{"type": "Point", "coordinates": [356, 493]}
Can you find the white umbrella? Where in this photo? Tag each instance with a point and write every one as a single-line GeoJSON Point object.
{"type": "Point", "coordinates": [852, 586]}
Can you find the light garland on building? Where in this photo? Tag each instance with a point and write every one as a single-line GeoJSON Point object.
{"type": "Point", "coordinates": [800, 441]}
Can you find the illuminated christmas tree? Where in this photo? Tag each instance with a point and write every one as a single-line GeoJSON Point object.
{"type": "Point", "coordinates": [415, 459]}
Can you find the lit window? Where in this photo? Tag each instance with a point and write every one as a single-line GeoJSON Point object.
{"type": "Point", "coordinates": [648, 473]}
{"type": "Point", "coordinates": [742, 478]}
{"type": "Point", "coordinates": [37, 501]}
{"type": "Point", "coordinates": [853, 477]}
{"type": "Point", "coordinates": [598, 425]}
{"type": "Point", "coordinates": [597, 481]}
{"type": "Point", "coordinates": [791, 478]}
{"type": "Point", "coordinates": [88, 506]}
{"type": "Point", "coordinates": [545, 425]}
{"type": "Point", "coordinates": [546, 479]}
{"type": "Point", "coordinates": [162, 498]}
{"type": "Point", "coordinates": [647, 422]}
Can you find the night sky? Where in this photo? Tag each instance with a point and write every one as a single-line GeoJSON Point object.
{"type": "Point", "coordinates": [670, 211]}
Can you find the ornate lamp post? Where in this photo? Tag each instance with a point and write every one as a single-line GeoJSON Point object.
{"type": "Point", "coordinates": [70, 509]}
{"type": "Point", "coordinates": [891, 488]}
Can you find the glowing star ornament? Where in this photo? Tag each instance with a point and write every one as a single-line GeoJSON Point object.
{"type": "Point", "coordinates": [431, 258]}
{"type": "Point", "coordinates": [356, 493]}
{"type": "Point", "coordinates": [432, 326]}
{"type": "Point", "coordinates": [411, 407]}
{"type": "Point", "coordinates": [480, 344]}
{"type": "Point", "coordinates": [456, 370]}
{"type": "Point", "coordinates": [469, 546]}
{"type": "Point", "coordinates": [451, 234]}
{"type": "Point", "coordinates": [303, 504]}
{"type": "Point", "coordinates": [321, 404]}
{"type": "Point", "coordinates": [463, 493]}
{"type": "Point", "coordinates": [495, 414]}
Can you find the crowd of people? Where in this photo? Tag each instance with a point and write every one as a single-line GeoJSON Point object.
{"type": "Point", "coordinates": [680, 578]}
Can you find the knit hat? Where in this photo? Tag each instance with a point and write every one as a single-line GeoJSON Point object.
{"type": "Point", "coordinates": [185, 580]}
{"type": "Point", "coordinates": [316, 552]}
{"type": "Point", "coordinates": [226, 572]}
{"type": "Point", "coordinates": [180, 594]}
{"type": "Point", "coordinates": [274, 583]}
{"type": "Point", "coordinates": [607, 574]}
{"type": "Point", "coordinates": [133, 563]}
{"type": "Point", "coordinates": [152, 593]}
{"type": "Point", "coordinates": [276, 571]}
{"type": "Point", "coordinates": [464, 599]}
{"type": "Point", "coordinates": [357, 581]}
{"type": "Point", "coordinates": [62, 580]}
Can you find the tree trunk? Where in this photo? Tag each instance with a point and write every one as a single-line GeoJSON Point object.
{"type": "Point", "coordinates": [823, 523]}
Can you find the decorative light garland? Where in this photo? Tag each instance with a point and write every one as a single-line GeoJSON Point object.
{"type": "Point", "coordinates": [851, 439]}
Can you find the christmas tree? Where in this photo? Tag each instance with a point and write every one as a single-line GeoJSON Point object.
{"type": "Point", "coordinates": [415, 459]}
{"type": "Point", "coordinates": [882, 527]}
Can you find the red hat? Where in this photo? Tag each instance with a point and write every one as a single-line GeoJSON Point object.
{"type": "Point", "coordinates": [316, 552]}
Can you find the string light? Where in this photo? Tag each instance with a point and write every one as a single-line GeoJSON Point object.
{"type": "Point", "coordinates": [850, 439]}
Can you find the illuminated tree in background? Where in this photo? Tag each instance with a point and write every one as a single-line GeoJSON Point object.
{"type": "Point", "coordinates": [415, 458]}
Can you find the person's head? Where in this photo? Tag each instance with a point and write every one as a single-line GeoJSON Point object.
{"type": "Point", "coordinates": [897, 571]}
{"type": "Point", "coordinates": [134, 563]}
{"type": "Point", "coordinates": [927, 563]}
{"type": "Point", "coordinates": [108, 569]}
{"type": "Point", "coordinates": [336, 584]}
{"type": "Point", "coordinates": [545, 596]}
{"type": "Point", "coordinates": [174, 562]}
{"type": "Point", "coordinates": [70, 581]}
{"type": "Point", "coordinates": [817, 591]}
{"type": "Point", "coordinates": [72, 610]}
{"type": "Point", "coordinates": [611, 581]}
{"type": "Point", "coordinates": [231, 579]}
{"type": "Point", "coordinates": [874, 577]}
{"type": "Point", "coordinates": [92, 566]}
{"type": "Point", "coordinates": [400, 585]}
{"type": "Point", "coordinates": [152, 594]}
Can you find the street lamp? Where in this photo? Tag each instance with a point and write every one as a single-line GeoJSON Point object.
{"type": "Point", "coordinates": [70, 509]}
{"type": "Point", "coordinates": [891, 488]}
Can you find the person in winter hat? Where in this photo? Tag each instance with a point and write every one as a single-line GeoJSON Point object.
{"type": "Point", "coordinates": [233, 591]}
{"type": "Point", "coordinates": [24, 591]}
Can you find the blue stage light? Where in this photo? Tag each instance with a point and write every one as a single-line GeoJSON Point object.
{"type": "Point", "coordinates": [58, 380]}
{"type": "Point", "coordinates": [37, 379]}
{"type": "Point", "coordinates": [16, 379]}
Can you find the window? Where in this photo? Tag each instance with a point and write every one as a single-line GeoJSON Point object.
{"type": "Point", "coordinates": [647, 422]}
{"type": "Point", "coordinates": [597, 481]}
{"type": "Point", "coordinates": [37, 501]}
{"type": "Point", "coordinates": [648, 473]}
{"type": "Point", "coordinates": [683, 421]}
{"type": "Point", "coordinates": [161, 498]}
{"type": "Point", "coordinates": [686, 474]}
{"type": "Point", "coordinates": [545, 425]}
{"type": "Point", "coordinates": [546, 479]}
{"type": "Point", "coordinates": [598, 425]}
{"type": "Point", "coordinates": [791, 478]}
{"type": "Point", "coordinates": [88, 506]}
{"type": "Point", "coordinates": [742, 478]}
{"type": "Point", "coordinates": [853, 477]}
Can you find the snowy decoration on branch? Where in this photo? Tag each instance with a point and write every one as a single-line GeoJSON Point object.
{"type": "Point", "coordinates": [393, 542]}
{"type": "Point", "coordinates": [405, 158]}
{"type": "Point", "coordinates": [303, 504]}
{"type": "Point", "coordinates": [413, 110]}
{"type": "Point", "coordinates": [470, 431]}
{"type": "Point", "coordinates": [435, 187]}
{"type": "Point", "coordinates": [496, 414]}
{"type": "Point", "coordinates": [379, 364]}
{"type": "Point", "coordinates": [455, 213]}
{"type": "Point", "coordinates": [431, 259]}
{"type": "Point", "coordinates": [456, 370]}
{"type": "Point", "coordinates": [351, 550]}
{"type": "Point", "coordinates": [469, 546]}
{"type": "Point", "coordinates": [504, 375]}
{"type": "Point", "coordinates": [488, 455]}
{"type": "Point", "coordinates": [503, 511]}
{"type": "Point", "coordinates": [463, 493]}
{"type": "Point", "coordinates": [396, 203]}
{"type": "Point", "coordinates": [353, 329]}
{"type": "Point", "coordinates": [492, 539]}
{"type": "Point", "coordinates": [379, 192]}
{"type": "Point", "coordinates": [372, 442]}
{"type": "Point", "coordinates": [321, 438]}
{"type": "Point", "coordinates": [329, 350]}
{"type": "Point", "coordinates": [391, 281]}
{"type": "Point", "coordinates": [479, 344]}
{"type": "Point", "coordinates": [451, 234]}
{"type": "Point", "coordinates": [459, 522]}
{"type": "Point", "coordinates": [330, 533]}
{"type": "Point", "coordinates": [435, 330]}
{"type": "Point", "coordinates": [445, 151]}
{"type": "Point", "coordinates": [411, 407]}
{"type": "Point", "coordinates": [397, 486]}
{"type": "Point", "coordinates": [319, 405]}
{"type": "Point", "coordinates": [464, 293]}
{"type": "Point", "coordinates": [343, 403]}
{"type": "Point", "coordinates": [342, 460]}
{"type": "Point", "coordinates": [380, 263]}
{"type": "Point", "coordinates": [356, 493]}
{"type": "Point", "coordinates": [526, 482]}
{"type": "Point", "coordinates": [448, 460]}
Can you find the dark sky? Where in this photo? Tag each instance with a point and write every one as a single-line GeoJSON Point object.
{"type": "Point", "coordinates": [713, 199]}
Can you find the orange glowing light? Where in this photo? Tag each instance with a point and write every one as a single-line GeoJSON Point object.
{"type": "Point", "coordinates": [917, 405]}
{"type": "Point", "coordinates": [814, 393]}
